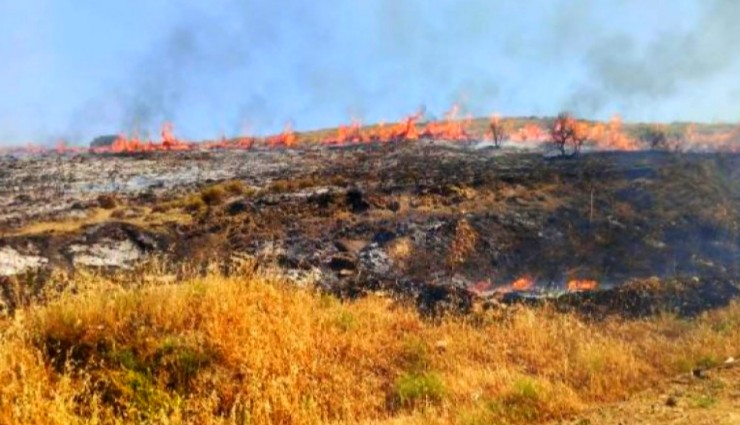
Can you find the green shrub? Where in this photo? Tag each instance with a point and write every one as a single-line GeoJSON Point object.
{"type": "Point", "coordinates": [705, 402]}
{"type": "Point", "coordinates": [413, 389]}
{"type": "Point", "coordinates": [346, 321]}
{"type": "Point", "coordinates": [415, 356]}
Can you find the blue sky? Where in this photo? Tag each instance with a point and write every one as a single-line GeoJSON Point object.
{"type": "Point", "coordinates": [78, 68]}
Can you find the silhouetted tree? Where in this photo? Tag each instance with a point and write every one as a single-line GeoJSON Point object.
{"type": "Point", "coordinates": [499, 131]}
{"type": "Point", "coordinates": [566, 132]}
{"type": "Point", "coordinates": [658, 138]}
{"type": "Point", "coordinates": [655, 137]}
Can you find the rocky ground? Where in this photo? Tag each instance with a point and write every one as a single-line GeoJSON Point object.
{"type": "Point", "coordinates": [434, 221]}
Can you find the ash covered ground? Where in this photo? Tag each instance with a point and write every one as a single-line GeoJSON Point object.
{"type": "Point", "coordinates": [440, 223]}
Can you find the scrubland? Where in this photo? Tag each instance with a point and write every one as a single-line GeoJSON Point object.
{"type": "Point", "coordinates": [250, 348]}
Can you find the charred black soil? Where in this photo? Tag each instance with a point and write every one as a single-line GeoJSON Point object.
{"type": "Point", "coordinates": [437, 222]}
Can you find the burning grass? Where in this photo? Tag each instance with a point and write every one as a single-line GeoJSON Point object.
{"type": "Point", "coordinates": [250, 349]}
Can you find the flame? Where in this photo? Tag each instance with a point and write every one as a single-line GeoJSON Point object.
{"type": "Point", "coordinates": [451, 128]}
{"type": "Point", "coordinates": [611, 135]}
{"type": "Point", "coordinates": [238, 143]}
{"type": "Point", "coordinates": [524, 283]}
{"type": "Point", "coordinates": [480, 287]}
{"type": "Point", "coordinates": [530, 133]}
{"type": "Point", "coordinates": [349, 134]}
{"type": "Point", "coordinates": [169, 142]}
{"type": "Point", "coordinates": [287, 138]}
{"type": "Point", "coordinates": [582, 285]}
{"type": "Point", "coordinates": [406, 129]}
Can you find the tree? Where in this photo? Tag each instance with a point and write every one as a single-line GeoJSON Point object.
{"type": "Point", "coordinates": [498, 131]}
{"type": "Point", "coordinates": [658, 138]}
{"type": "Point", "coordinates": [566, 132]}
{"type": "Point", "coordinates": [655, 137]}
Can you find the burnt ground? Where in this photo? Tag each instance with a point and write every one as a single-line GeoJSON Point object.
{"type": "Point", "coordinates": [433, 221]}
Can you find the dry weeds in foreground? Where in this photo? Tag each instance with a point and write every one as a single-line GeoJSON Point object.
{"type": "Point", "coordinates": [253, 350]}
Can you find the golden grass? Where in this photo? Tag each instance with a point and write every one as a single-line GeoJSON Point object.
{"type": "Point", "coordinates": [97, 215]}
{"type": "Point", "coordinates": [146, 217]}
{"type": "Point", "coordinates": [253, 350]}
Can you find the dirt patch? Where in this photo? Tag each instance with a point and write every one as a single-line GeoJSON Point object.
{"type": "Point", "coordinates": [709, 398]}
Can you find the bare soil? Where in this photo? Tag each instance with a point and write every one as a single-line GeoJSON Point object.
{"type": "Point", "coordinates": [713, 398]}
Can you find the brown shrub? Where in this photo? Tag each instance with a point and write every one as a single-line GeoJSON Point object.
{"type": "Point", "coordinates": [214, 195]}
{"type": "Point", "coordinates": [107, 201]}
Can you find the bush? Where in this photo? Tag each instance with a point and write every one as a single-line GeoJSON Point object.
{"type": "Point", "coordinates": [235, 187]}
{"type": "Point", "coordinates": [213, 195]}
{"type": "Point", "coordinates": [413, 389]}
{"type": "Point", "coordinates": [107, 201]}
{"type": "Point", "coordinates": [194, 204]}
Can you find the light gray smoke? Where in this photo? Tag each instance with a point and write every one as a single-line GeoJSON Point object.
{"type": "Point", "coordinates": [319, 61]}
{"type": "Point", "coordinates": [621, 69]}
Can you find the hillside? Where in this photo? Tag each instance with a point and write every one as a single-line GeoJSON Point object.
{"type": "Point", "coordinates": [251, 349]}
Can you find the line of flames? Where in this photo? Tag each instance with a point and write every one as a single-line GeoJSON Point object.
{"type": "Point", "coordinates": [527, 283]}
{"type": "Point", "coordinates": [452, 128]}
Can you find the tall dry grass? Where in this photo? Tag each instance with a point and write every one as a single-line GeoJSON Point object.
{"type": "Point", "coordinates": [253, 350]}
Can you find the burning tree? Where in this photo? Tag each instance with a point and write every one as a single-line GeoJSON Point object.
{"type": "Point", "coordinates": [566, 132]}
{"type": "Point", "coordinates": [497, 130]}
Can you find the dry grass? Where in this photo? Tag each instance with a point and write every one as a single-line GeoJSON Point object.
{"type": "Point", "coordinates": [145, 217]}
{"type": "Point", "coordinates": [253, 350]}
{"type": "Point", "coordinates": [95, 216]}
{"type": "Point", "coordinates": [462, 245]}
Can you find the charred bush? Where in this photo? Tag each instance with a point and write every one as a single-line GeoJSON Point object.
{"type": "Point", "coordinates": [107, 201]}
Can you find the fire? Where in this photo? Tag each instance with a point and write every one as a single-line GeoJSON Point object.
{"type": "Point", "coordinates": [612, 136]}
{"type": "Point", "coordinates": [451, 128]}
{"type": "Point", "coordinates": [133, 144]}
{"type": "Point", "coordinates": [582, 285]}
{"type": "Point", "coordinates": [349, 134]}
{"type": "Point", "coordinates": [728, 140]}
{"type": "Point", "coordinates": [406, 129]}
{"type": "Point", "coordinates": [524, 283]}
{"type": "Point", "coordinates": [240, 143]}
{"type": "Point", "coordinates": [169, 141]}
{"type": "Point", "coordinates": [61, 148]}
{"type": "Point", "coordinates": [381, 133]}
{"type": "Point", "coordinates": [287, 138]}
{"type": "Point", "coordinates": [530, 133]}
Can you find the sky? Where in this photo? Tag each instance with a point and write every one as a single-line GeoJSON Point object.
{"type": "Point", "coordinates": [75, 69]}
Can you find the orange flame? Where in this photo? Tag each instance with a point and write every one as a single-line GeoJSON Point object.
{"type": "Point", "coordinates": [349, 134]}
{"type": "Point", "coordinates": [582, 285]}
{"type": "Point", "coordinates": [602, 136]}
{"type": "Point", "coordinates": [169, 142]}
{"type": "Point", "coordinates": [451, 128]}
{"type": "Point", "coordinates": [287, 138]}
{"type": "Point", "coordinates": [524, 283]}
{"type": "Point", "coordinates": [530, 133]}
{"type": "Point", "coordinates": [612, 136]}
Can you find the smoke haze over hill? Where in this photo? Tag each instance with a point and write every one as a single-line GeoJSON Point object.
{"type": "Point", "coordinates": [234, 66]}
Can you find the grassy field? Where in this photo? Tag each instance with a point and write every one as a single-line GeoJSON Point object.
{"type": "Point", "coordinates": [250, 349]}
